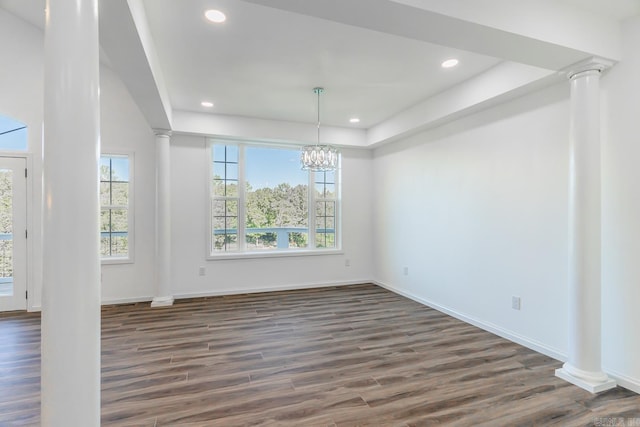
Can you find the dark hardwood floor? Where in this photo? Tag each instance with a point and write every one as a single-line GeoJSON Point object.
{"type": "Point", "coordinates": [356, 355]}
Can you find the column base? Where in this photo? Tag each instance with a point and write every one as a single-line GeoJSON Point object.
{"type": "Point", "coordinates": [592, 385]}
{"type": "Point", "coordinates": [162, 301]}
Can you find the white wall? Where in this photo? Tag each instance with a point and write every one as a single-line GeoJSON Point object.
{"type": "Point", "coordinates": [21, 94]}
{"type": "Point", "coordinates": [189, 175]}
{"type": "Point", "coordinates": [621, 213]}
{"type": "Point", "coordinates": [124, 130]}
{"type": "Point", "coordinates": [477, 211]}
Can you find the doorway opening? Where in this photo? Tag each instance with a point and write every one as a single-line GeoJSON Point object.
{"type": "Point", "coordinates": [13, 205]}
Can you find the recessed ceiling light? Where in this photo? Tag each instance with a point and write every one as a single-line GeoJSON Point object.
{"type": "Point", "coordinates": [354, 120]}
{"type": "Point", "coordinates": [216, 16]}
{"type": "Point", "coordinates": [206, 104]}
{"type": "Point", "coordinates": [450, 63]}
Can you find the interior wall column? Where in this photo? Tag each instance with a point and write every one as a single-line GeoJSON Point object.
{"type": "Point", "coordinates": [163, 297]}
{"type": "Point", "coordinates": [70, 376]}
{"type": "Point", "coordinates": [583, 367]}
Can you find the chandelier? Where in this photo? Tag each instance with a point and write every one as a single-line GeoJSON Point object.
{"type": "Point", "coordinates": [319, 158]}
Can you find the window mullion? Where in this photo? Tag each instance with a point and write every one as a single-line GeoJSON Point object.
{"type": "Point", "coordinates": [337, 212]}
{"type": "Point", "coordinates": [242, 240]}
{"type": "Point", "coordinates": [110, 183]}
{"type": "Point", "coordinates": [110, 208]}
{"type": "Point", "coordinates": [312, 210]}
{"type": "Point", "coordinates": [110, 232]}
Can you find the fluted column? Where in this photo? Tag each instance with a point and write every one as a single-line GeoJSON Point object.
{"type": "Point", "coordinates": [71, 263]}
{"type": "Point", "coordinates": [583, 367]}
{"type": "Point", "coordinates": [163, 296]}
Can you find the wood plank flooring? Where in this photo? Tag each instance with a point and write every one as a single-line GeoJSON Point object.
{"type": "Point", "coordinates": [347, 356]}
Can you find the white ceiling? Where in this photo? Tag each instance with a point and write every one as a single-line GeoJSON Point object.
{"type": "Point", "coordinates": [263, 62]}
{"type": "Point", "coordinates": [617, 9]}
{"type": "Point", "coordinates": [31, 11]}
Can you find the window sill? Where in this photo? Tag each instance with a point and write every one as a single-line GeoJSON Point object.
{"type": "Point", "coordinates": [273, 254]}
{"type": "Point", "coordinates": [111, 261]}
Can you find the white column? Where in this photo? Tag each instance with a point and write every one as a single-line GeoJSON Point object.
{"type": "Point", "coordinates": [71, 265]}
{"type": "Point", "coordinates": [583, 367]}
{"type": "Point", "coordinates": [163, 220]}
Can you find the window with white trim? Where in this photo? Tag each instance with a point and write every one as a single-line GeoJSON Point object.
{"type": "Point", "coordinates": [260, 199]}
{"type": "Point", "coordinates": [116, 237]}
{"type": "Point", "coordinates": [326, 201]}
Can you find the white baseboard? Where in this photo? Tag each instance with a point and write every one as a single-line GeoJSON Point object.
{"type": "Point", "coordinates": [106, 301]}
{"type": "Point", "coordinates": [269, 289]}
{"type": "Point", "coordinates": [494, 329]}
{"type": "Point", "coordinates": [133, 300]}
{"type": "Point", "coordinates": [624, 381]}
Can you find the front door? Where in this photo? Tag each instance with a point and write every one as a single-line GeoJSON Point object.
{"type": "Point", "coordinates": [13, 234]}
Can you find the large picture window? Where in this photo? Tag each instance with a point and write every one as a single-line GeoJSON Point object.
{"type": "Point", "coordinates": [115, 202]}
{"type": "Point", "coordinates": [261, 199]}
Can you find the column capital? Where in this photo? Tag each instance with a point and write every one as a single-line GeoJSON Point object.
{"type": "Point", "coordinates": [595, 63]}
{"type": "Point", "coordinates": [162, 132]}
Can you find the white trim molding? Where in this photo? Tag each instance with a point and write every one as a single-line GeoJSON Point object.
{"type": "Point", "coordinates": [272, 289]}
{"type": "Point", "coordinates": [165, 301]}
{"type": "Point", "coordinates": [629, 383]}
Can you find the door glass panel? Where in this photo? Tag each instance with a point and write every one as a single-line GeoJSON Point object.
{"type": "Point", "coordinates": [6, 232]}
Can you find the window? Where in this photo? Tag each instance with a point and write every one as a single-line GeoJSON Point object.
{"type": "Point", "coordinates": [115, 207]}
{"type": "Point", "coordinates": [260, 201]}
{"type": "Point", "coordinates": [326, 201]}
{"type": "Point", "coordinates": [13, 135]}
{"type": "Point", "coordinates": [226, 200]}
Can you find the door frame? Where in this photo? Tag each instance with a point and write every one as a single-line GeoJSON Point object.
{"type": "Point", "coordinates": [28, 274]}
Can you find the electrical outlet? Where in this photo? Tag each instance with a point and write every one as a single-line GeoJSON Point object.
{"type": "Point", "coordinates": [202, 271]}
{"type": "Point", "coordinates": [515, 303]}
{"type": "Point", "coordinates": [405, 271]}
{"type": "Point", "coordinates": [347, 263]}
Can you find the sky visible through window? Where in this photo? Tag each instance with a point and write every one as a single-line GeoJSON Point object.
{"type": "Point", "coordinates": [268, 167]}
{"type": "Point", "coordinates": [13, 135]}
{"type": "Point", "coordinates": [119, 166]}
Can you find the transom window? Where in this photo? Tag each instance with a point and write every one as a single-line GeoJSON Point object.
{"type": "Point", "coordinates": [115, 201]}
{"type": "Point", "coordinates": [260, 201]}
{"type": "Point", "coordinates": [13, 135]}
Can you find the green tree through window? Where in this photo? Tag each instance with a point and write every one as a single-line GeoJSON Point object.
{"type": "Point", "coordinates": [260, 200]}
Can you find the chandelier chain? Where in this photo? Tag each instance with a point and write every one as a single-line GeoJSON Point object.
{"type": "Point", "coordinates": [318, 91]}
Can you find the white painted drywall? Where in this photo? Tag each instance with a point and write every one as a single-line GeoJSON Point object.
{"type": "Point", "coordinates": [125, 130]}
{"type": "Point", "coordinates": [189, 174]}
{"type": "Point", "coordinates": [477, 212]}
{"type": "Point", "coordinates": [621, 213]}
{"type": "Point", "coordinates": [122, 128]}
{"type": "Point", "coordinates": [21, 98]}
{"type": "Point", "coordinates": [476, 209]}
